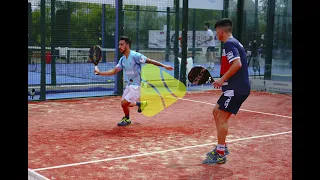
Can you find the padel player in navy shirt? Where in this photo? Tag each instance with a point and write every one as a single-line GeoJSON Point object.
{"type": "Point", "coordinates": [235, 87]}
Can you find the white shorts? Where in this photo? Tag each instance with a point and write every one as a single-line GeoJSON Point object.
{"type": "Point", "coordinates": [131, 93]}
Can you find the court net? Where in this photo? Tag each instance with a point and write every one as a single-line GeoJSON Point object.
{"type": "Point", "coordinates": [75, 63]}
{"type": "Point", "coordinates": [32, 175]}
{"type": "Point", "coordinates": [69, 62]}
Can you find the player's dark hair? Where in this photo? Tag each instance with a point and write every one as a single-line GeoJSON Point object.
{"type": "Point", "coordinates": [207, 24]}
{"type": "Point", "coordinates": [224, 23]}
{"type": "Point", "coordinates": [126, 39]}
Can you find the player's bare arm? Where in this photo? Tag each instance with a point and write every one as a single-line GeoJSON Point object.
{"type": "Point", "coordinates": [154, 62]}
{"type": "Point", "coordinates": [108, 73]}
{"type": "Point", "coordinates": [235, 66]}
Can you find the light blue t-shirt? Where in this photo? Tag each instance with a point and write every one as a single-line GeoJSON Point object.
{"type": "Point", "coordinates": [132, 67]}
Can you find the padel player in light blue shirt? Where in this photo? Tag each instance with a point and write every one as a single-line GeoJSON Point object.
{"type": "Point", "coordinates": [131, 67]}
{"type": "Point", "coordinates": [131, 63]}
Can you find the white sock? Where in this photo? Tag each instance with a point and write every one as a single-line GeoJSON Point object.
{"type": "Point", "coordinates": [220, 147]}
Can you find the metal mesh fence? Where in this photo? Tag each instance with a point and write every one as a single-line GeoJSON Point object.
{"type": "Point", "coordinates": [59, 61]}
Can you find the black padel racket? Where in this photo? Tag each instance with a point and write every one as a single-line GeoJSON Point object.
{"type": "Point", "coordinates": [200, 43]}
{"type": "Point", "coordinates": [199, 75]}
{"type": "Point", "coordinates": [95, 55]}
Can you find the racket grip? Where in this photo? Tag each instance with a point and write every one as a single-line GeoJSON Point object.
{"type": "Point", "coordinates": [96, 68]}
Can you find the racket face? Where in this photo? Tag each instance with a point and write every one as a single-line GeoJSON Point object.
{"type": "Point", "coordinates": [199, 43]}
{"type": "Point", "coordinates": [95, 54]}
{"type": "Point", "coordinates": [199, 75]}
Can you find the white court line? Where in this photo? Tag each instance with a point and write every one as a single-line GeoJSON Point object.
{"type": "Point", "coordinates": [157, 152]}
{"type": "Point", "coordinates": [239, 109]}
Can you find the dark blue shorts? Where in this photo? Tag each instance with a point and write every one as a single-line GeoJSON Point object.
{"type": "Point", "coordinates": [231, 104]}
{"type": "Point", "coordinates": [210, 48]}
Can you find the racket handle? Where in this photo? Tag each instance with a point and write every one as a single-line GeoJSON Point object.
{"type": "Point", "coordinates": [96, 68]}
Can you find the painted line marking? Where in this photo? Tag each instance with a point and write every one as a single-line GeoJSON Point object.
{"type": "Point", "coordinates": [258, 112]}
{"type": "Point", "coordinates": [157, 152]}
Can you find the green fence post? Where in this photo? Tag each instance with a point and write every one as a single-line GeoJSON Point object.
{"type": "Point", "coordinates": [137, 22]}
{"type": "Point", "coordinates": [53, 52]}
{"type": "Point", "coordinates": [194, 34]}
{"type": "Point", "coordinates": [184, 54]}
{"type": "Point", "coordinates": [269, 46]}
{"type": "Point", "coordinates": [168, 36]}
{"type": "Point", "coordinates": [176, 41]}
{"type": "Point", "coordinates": [240, 18]}
{"type": "Point", "coordinates": [119, 32]}
{"type": "Point", "coordinates": [43, 50]}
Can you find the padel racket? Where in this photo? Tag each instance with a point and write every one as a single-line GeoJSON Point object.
{"type": "Point", "coordinates": [95, 55]}
{"type": "Point", "coordinates": [200, 43]}
{"type": "Point", "coordinates": [199, 75]}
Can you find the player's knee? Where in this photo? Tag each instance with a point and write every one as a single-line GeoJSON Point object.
{"type": "Point", "coordinates": [209, 55]}
{"type": "Point", "coordinates": [208, 58]}
{"type": "Point", "coordinates": [219, 122]}
{"type": "Point", "coordinates": [124, 103]}
{"type": "Point", "coordinates": [214, 112]}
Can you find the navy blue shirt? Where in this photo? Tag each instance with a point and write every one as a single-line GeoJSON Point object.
{"type": "Point", "coordinates": [239, 82]}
